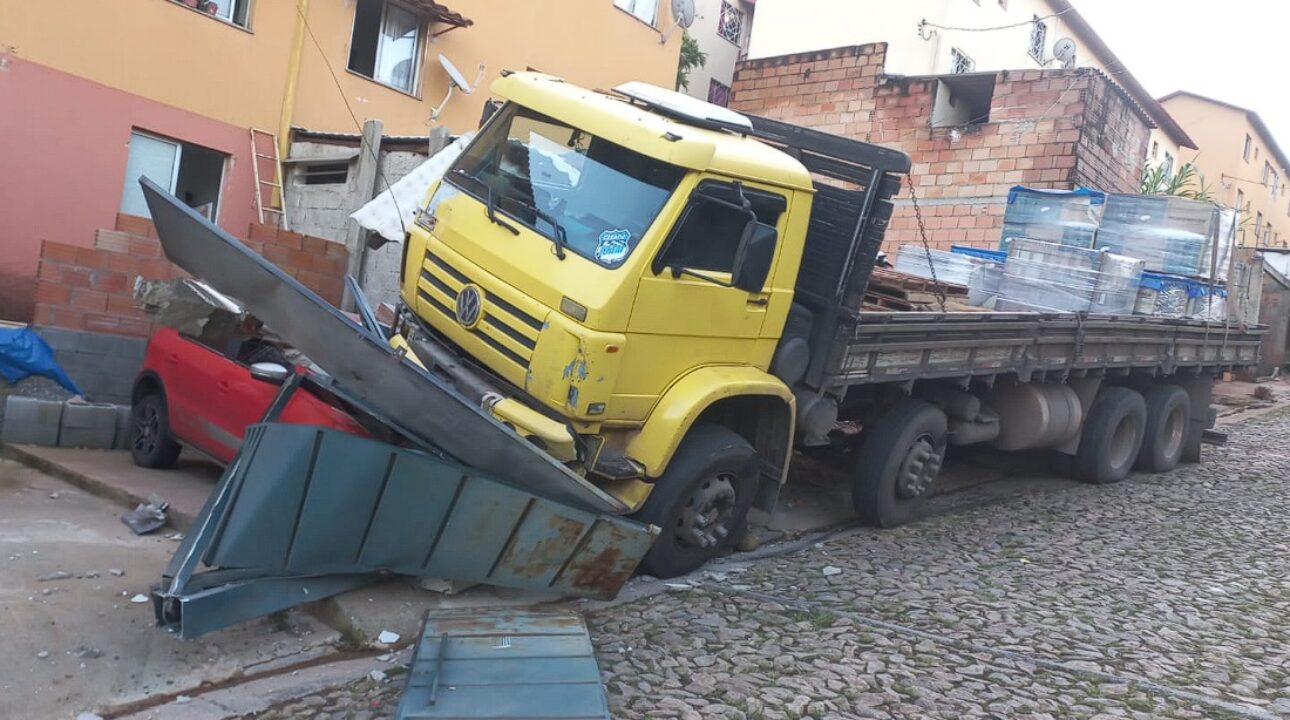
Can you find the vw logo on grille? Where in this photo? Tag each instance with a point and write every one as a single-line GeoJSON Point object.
{"type": "Point", "coordinates": [470, 306]}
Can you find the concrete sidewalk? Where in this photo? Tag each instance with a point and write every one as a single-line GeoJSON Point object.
{"type": "Point", "coordinates": [112, 475]}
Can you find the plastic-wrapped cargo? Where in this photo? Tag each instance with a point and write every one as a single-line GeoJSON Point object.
{"type": "Point", "coordinates": [1064, 217]}
{"type": "Point", "coordinates": [1118, 279]}
{"type": "Point", "coordinates": [1048, 277]}
{"type": "Point", "coordinates": [1173, 235]}
{"type": "Point", "coordinates": [1205, 302]}
{"type": "Point", "coordinates": [980, 274]}
{"type": "Point", "coordinates": [1162, 295]}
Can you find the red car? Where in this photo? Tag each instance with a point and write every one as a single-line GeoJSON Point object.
{"type": "Point", "coordinates": [190, 394]}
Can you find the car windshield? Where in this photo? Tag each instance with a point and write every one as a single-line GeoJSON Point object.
{"type": "Point", "coordinates": [596, 197]}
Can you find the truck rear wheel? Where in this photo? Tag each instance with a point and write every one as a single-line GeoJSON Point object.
{"type": "Point", "coordinates": [701, 501]}
{"type": "Point", "coordinates": [1167, 426]}
{"type": "Point", "coordinates": [898, 463]}
{"type": "Point", "coordinates": [1112, 436]}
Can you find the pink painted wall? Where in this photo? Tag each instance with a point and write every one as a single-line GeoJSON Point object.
{"type": "Point", "coordinates": [63, 145]}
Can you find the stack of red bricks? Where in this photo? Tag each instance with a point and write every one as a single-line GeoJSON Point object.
{"type": "Point", "coordinates": [91, 288]}
{"type": "Point", "coordinates": [1046, 129]}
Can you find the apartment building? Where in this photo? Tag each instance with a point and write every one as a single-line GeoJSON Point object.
{"type": "Point", "coordinates": [1242, 164]}
{"type": "Point", "coordinates": [944, 37]}
{"type": "Point", "coordinates": [722, 29]}
{"type": "Point", "coordinates": [97, 94]}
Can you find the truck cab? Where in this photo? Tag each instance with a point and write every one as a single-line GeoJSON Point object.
{"type": "Point", "coordinates": [611, 275]}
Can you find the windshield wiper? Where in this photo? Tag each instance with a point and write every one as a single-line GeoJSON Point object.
{"type": "Point", "coordinates": [560, 238]}
{"type": "Point", "coordinates": [492, 213]}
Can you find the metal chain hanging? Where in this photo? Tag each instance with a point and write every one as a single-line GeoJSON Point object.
{"type": "Point", "coordinates": [937, 287]}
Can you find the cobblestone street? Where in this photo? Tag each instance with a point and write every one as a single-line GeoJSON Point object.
{"type": "Point", "coordinates": [1162, 597]}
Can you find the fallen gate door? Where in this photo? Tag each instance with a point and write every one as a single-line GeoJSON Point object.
{"type": "Point", "coordinates": [503, 664]}
{"type": "Point", "coordinates": [361, 362]}
{"type": "Point", "coordinates": [304, 512]}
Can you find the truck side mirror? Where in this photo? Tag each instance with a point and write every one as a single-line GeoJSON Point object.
{"type": "Point", "coordinates": [753, 259]}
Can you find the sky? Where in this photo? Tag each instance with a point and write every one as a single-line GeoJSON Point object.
{"type": "Point", "coordinates": [1230, 50]}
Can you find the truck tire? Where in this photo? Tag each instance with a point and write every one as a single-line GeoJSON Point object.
{"type": "Point", "coordinates": [1168, 423]}
{"type": "Point", "coordinates": [701, 501]}
{"type": "Point", "coordinates": [151, 443]}
{"type": "Point", "coordinates": [1112, 436]}
{"type": "Point", "coordinates": [898, 462]}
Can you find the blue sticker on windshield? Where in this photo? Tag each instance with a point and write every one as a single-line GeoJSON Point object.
{"type": "Point", "coordinates": [613, 246]}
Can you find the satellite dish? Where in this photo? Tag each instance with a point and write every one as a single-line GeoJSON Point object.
{"type": "Point", "coordinates": [1064, 52]}
{"type": "Point", "coordinates": [454, 75]}
{"type": "Point", "coordinates": [456, 81]}
{"type": "Point", "coordinates": [683, 12]}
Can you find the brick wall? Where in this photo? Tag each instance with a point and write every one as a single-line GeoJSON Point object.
{"type": "Point", "coordinates": [91, 289]}
{"type": "Point", "coordinates": [1046, 129]}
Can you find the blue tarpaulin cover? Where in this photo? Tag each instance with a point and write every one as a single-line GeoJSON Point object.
{"type": "Point", "coordinates": [23, 353]}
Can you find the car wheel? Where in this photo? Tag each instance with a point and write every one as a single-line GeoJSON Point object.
{"type": "Point", "coordinates": [151, 443]}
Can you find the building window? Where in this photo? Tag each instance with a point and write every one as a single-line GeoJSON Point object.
{"type": "Point", "coordinates": [731, 24]}
{"type": "Point", "coordinates": [1168, 165]}
{"type": "Point", "coordinates": [1258, 227]}
{"type": "Point", "coordinates": [1038, 39]}
{"type": "Point", "coordinates": [192, 173]}
{"type": "Point", "coordinates": [1267, 234]}
{"type": "Point", "coordinates": [1155, 149]}
{"type": "Point", "coordinates": [234, 12]}
{"type": "Point", "coordinates": [386, 44]}
{"type": "Point", "coordinates": [1276, 182]}
{"type": "Point", "coordinates": [325, 173]}
{"type": "Point", "coordinates": [959, 62]}
{"type": "Point", "coordinates": [643, 10]}
{"type": "Point", "coordinates": [1240, 201]}
{"type": "Point", "coordinates": [1249, 145]}
{"type": "Point", "coordinates": [718, 94]}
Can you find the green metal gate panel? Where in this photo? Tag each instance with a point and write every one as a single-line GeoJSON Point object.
{"type": "Point", "coordinates": [503, 664]}
{"type": "Point", "coordinates": [312, 501]}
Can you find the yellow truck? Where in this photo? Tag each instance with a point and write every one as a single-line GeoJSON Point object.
{"type": "Point", "coordinates": [664, 296]}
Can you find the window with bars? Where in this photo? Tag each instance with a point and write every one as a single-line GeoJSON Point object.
{"type": "Point", "coordinates": [1038, 39]}
{"type": "Point", "coordinates": [730, 26]}
{"type": "Point", "coordinates": [1168, 165]}
{"type": "Point", "coordinates": [959, 62]}
{"type": "Point", "coordinates": [718, 94]}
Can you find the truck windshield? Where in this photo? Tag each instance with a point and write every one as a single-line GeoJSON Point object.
{"type": "Point", "coordinates": [597, 197]}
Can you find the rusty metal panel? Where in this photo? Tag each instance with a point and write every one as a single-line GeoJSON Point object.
{"type": "Point", "coordinates": [313, 501]}
{"type": "Point", "coordinates": [440, 418]}
{"type": "Point", "coordinates": [503, 664]}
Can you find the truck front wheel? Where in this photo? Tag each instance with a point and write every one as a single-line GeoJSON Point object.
{"type": "Point", "coordinates": [701, 501]}
{"type": "Point", "coordinates": [899, 460]}
{"type": "Point", "coordinates": [1112, 436]}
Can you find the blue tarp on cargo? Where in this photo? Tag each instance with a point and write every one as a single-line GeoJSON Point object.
{"type": "Point", "coordinates": [23, 353]}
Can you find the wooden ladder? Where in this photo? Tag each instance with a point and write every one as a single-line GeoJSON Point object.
{"type": "Point", "coordinates": [275, 181]}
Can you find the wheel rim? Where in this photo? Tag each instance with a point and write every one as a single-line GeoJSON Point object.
{"type": "Point", "coordinates": [705, 520]}
{"type": "Point", "coordinates": [147, 429]}
{"type": "Point", "coordinates": [1174, 430]}
{"type": "Point", "coordinates": [1124, 442]}
{"type": "Point", "coordinates": [919, 469]}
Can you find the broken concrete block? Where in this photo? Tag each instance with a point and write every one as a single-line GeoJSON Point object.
{"type": "Point", "coordinates": [31, 421]}
{"type": "Point", "coordinates": [88, 425]}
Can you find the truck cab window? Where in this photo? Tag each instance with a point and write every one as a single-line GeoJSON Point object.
{"type": "Point", "coordinates": [707, 236]}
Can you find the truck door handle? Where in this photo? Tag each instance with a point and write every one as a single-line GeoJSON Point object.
{"type": "Point", "coordinates": [760, 302]}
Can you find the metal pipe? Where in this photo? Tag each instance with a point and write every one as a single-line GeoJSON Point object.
{"type": "Point", "coordinates": [293, 79]}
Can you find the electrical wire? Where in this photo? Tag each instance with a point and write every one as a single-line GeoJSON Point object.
{"type": "Point", "coordinates": [934, 26]}
{"type": "Point", "coordinates": [345, 99]}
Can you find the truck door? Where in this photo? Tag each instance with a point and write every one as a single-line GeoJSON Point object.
{"type": "Point", "coordinates": [672, 300]}
{"type": "Point", "coordinates": [686, 314]}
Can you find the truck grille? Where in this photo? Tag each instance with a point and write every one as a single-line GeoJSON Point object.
{"type": "Point", "coordinates": [505, 328]}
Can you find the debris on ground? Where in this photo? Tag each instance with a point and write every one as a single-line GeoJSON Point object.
{"type": "Point", "coordinates": [1263, 392]}
{"type": "Point", "coordinates": [830, 571]}
{"type": "Point", "coordinates": [116, 572]}
{"type": "Point", "coordinates": [139, 598]}
{"type": "Point", "coordinates": [377, 675]}
{"type": "Point", "coordinates": [147, 517]}
{"type": "Point", "coordinates": [42, 654]}
{"type": "Point", "coordinates": [387, 637]}
{"type": "Point", "coordinates": [56, 575]}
